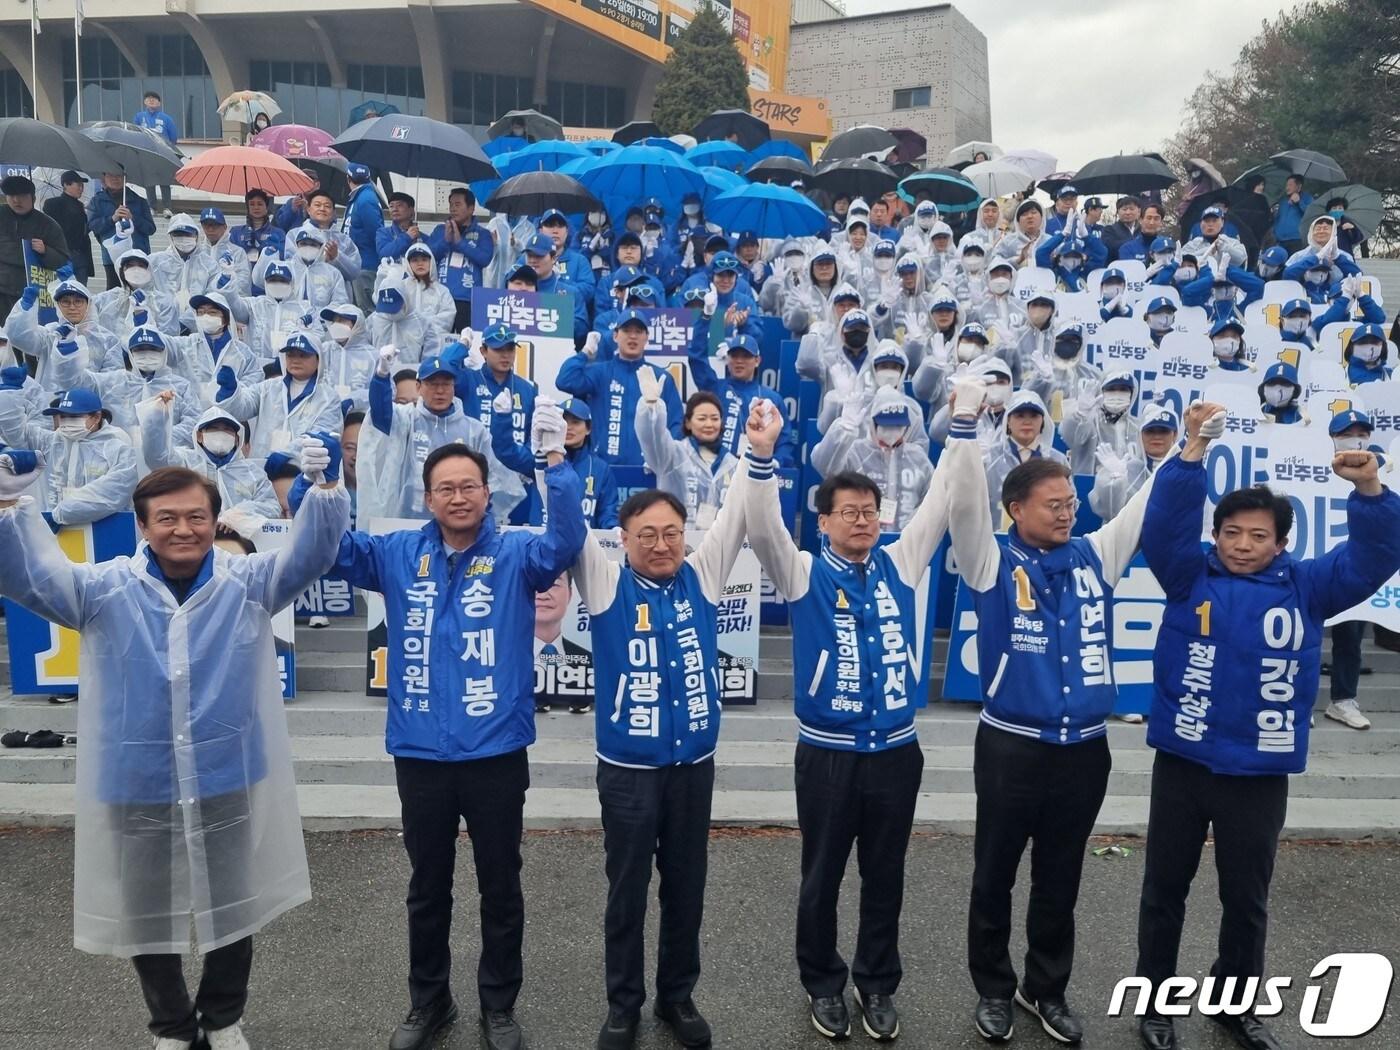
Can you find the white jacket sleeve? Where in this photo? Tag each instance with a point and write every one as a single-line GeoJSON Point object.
{"type": "Point", "coordinates": [921, 536]}
{"type": "Point", "coordinates": [659, 450]}
{"type": "Point", "coordinates": [323, 518]}
{"type": "Point", "coordinates": [723, 541]}
{"type": "Point", "coordinates": [829, 454]}
{"type": "Point", "coordinates": [38, 575]}
{"type": "Point", "coordinates": [975, 547]}
{"type": "Point", "coordinates": [1117, 540]}
{"type": "Point", "coordinates": [596, 576]}
{"type": "Point", "coordinates": [811, 360]}
{"type": "Point", "coordinates": [790, 569]}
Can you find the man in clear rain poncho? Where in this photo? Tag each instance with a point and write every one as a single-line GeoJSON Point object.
{"type": "Point", "coordinates": [186, 807]}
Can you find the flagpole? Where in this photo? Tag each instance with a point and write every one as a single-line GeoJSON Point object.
{"type": "Point", "coordinates": [78, 57]}
{"type": "Point", "coordinates": [34, 55]}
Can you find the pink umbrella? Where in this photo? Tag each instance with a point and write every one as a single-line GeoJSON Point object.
{"type": "Point", "coordinates": [295, 140]}
{"type": "Point", "coordinates": [237, 169]}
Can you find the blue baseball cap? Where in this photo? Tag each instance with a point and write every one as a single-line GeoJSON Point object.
{"type": "Point", "coordinates": [973, 330]}
{"type": "Point", "coordinates": [576, 407]}
{"type": "Point", "coordinates": [626, 276]}
{"type": "Point", "coordinates": [300, 342]}
{"type": "Point", "coordinates": [1348, 417]}
{"type": "Point", "coordinates": [1114, 274]}
{"type": "Point", "coordinates": [1369, 331]}
{"type": "Point", "coordinates": [212, 215]}
{"type": "Point", "coordinates": [631, 317]}
{"type": "Point", "coordinates": [145, 337]}
{"type": "Point", "coordinates": [358, 172]}
{"type": "Point", "coordinates": [435, 366]}
{"type": "Point", "coordinates": [884, 247]}
{"type": "Point", "coordinates": [1213, 212]}
{"type": "Point", "coordinates": [1162, 243]}
{"type": "Point", "coordinates": [539, 244]}
{"type": "Point", "coordinates": [746, 237]}
{"type": "Point", "coordinates": [1067, 191]}
{"type": "Point", "coordinates": [741, 344]}
{"type": "Point", "coordinates": [892, 414]}
{"type": "Point", "coordinates": [1281, 370]}
{"type": "Point", "coordinates": [823, 255]}
{"type": "Point", "coordinates": [182, 222]}
{"type": "Point", "coordinates": [855, 319]}
{"type": "Point", "coordinates": [552, 214]}
{"type": "Point", "coordinates": [308, 232]}
{"type": "Point", "coordinates": [388, 301]}
{"type": "Point", "coordinates": [1226, 324]}
{"type": "Point", "coordinates": [944, 300]}
{"type": "Point", "coordinates": [846, 294]}
{"type": "Point", "coordinates": [70, 286]}
{"type": "Point", "coordinates": [1161, 302]}
{"type": "Point", "coordinates": [1274, 255]}
{"type": "Point", "coordinates": [716, 242]}
{"type": "Point", "coordinates": [725, 262]}
{"type": "Point", "coordinates": [907, 264]}
{"type": "Point", "coordinates": [277, 271]}
{"type": "Point", "coordinates": [1296, 306]}
{"type": "Point", "coordinates": [76, 402]}
{"type": "Point", "coordinates": [1158, 417]}
{"type": "Point", "coordinates": [523, 272]}
{"type": "Point", "coordinates": [499, 335]}
{"type": "Point", "coordinates": [214, 299]}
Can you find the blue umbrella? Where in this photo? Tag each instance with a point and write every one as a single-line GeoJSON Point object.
{"type": "Point", "coordinates": [375, 107]}
{"type": "Point", "coordinates": [768, 211]}
{"type": "Point", "coordinates": [666, 144]}
{"type": "Point", "coordinates": [548, 155]}
{"type": "Point", "coordinates": [780, 148]}
{"type": "Point", "coordinates": [719, 154]}
{"type": "Point", "coordinates": [601, 147]}
{"type": "Point", "coordinates": [951, 190]}
{"type": "Point", "coordinates": [577, 166]}
{"type": "Point", "coordinates": [505, 144]}
{"type": "Point", "coordinates": [635, 173]}
{"type": "Point", "coordinates": [719, 181]}
{"type": "Point", "coordinates": [418, 147]}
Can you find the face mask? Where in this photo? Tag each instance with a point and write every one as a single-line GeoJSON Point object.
{"type": "Point", "coordinates": [1070, 263]}
{"type": "Point", "coordinates": [1349, 444]}
{"type": "Point", "coordinates": [1185, 273]}
{"type": "Point", "coordinates": [184, 245]}
{"type": "Point", "coordinates": [650, 238]}
{"type": "Point", "coordinates": [1267, 272]}
{"type": "Point", "coordinates": [883, 264]}
{"type": "Point", "coordinates": [219, 442]}
{"type": "Point", "coordinates": [137, 276]}
{"type": "Point", "coordinates": [1336, 213]}
{"type": "Point", "coordinates": [1225, 348]}
{"type": "Point", "coordinates": [1223, 294]}
{"type": "Point", "coordinates": [691, 210]}
{"type": "Point", "coordinates": [1039, 315]}
{"type": "Point", "coordinates": [1278, 394]}
{"type": "Point", "coordinates": [209, 324]}
{"type": "Point", "coordinates": [147, 360]}
{"type": "Point", "coordinates": [973, 263]}
{"type": "Point", "coordinates": [73, 428]}
{"type": "Point", "coordinates": [1316, 277]}
{"type": "Point", "coordinates": [279, 290]}
{"type": "Point", "coordinates": [1295, 325]}
{"type": "Point", "coordinates": [888, 376]}
{"type": "Point", "coordinates": [1160, 322]}
{"type": "Point", "coordinates": [1066, 349]}
{"type": "Point", "coordinates": [1366, 353]}
{"type": "Point", "coordinates": [968, 350]}
{"type": "Point", "coordinates": [889, 436]}
{"type": "Point", "coordinates": [857, 338]}
{"type": "Point", "coordinates": [596, 219]}
{"type": "Point", "coordinates": [1116, 401]}
{"type": "Point", "coordinates": [997, 393]}
{"type": "Point", "coordinates": [308, 253]}
{"type": "Point", "coordinates": [999, 285]}
{"type": "Point", "coordinates": [794, 262]}
{"type": "Point", "coordinates": [339, 331]}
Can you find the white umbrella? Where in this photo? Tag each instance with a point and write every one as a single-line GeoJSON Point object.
{"type": "Point", "coordinates": [1207, 167]}
{"type": "Point", "coordinates": [997, 178]}
{"type": "Point", "coordinates": [1036, 163]}
{"type": "Point", "coordinates": [684, 141]}
{"type": "Point", "coordinates": [968, 150]}
{"type": "Point", "coordinates": [243, 106]}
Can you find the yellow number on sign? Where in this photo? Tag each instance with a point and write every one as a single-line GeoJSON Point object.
{"type": "Point", "coordinates": [1203, 611]}
{"type": "Point", "coordinates": [379, 658]}
{"type": "Point", "coordinates": [1025, 600]}
{"type": "Point", "coordinates": [643, 618]}
{"type": "Point", "coordinates": [58, 664]}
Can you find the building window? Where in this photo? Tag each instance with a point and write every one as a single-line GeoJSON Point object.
{"type": "Point", "coordinates": [304, 91]}
{"type": "Point", "coordinates": [14, 95]}
{"type": "Point", "coordinates": [112, 90]}
{"type": "Point", "coordinates": [482, 98]}
{"type": "Point", "coordinates": [912, 98]}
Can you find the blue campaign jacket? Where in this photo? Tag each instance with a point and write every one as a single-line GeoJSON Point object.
{"type": "Point", "coordinates": [363, 220]}
{"type": "Point", "coordinates": [595, 477]}
{"type": "Point", "coordinates": [737, 398]}
{"type": "Point", "coordinates": [460, 263]}
{"type": "Point", "coordinates": [611, 389]}
{"type": "Point", "coordinates": [101, 216]}
{"type": "Point", "coordinates": [1235, 670]}
{"type": "Point", "coordinates": [256, 238]}
{"type": "Point", "coordinates": [461, 663]}
{"type": "Point", "coordinates": [554, 284]}
{"type": "Point", "coordinates": [390, 242]}
{"type": "Point", "coordinates": [1288, 217]}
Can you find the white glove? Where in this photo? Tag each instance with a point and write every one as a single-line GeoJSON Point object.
{"type": "Point", "coordinates": [12, 485]}
{"type": "Point", "coordinates": [650, 383]}
{"type": "Point", "coordinates": [890, 298]}
{"type": "Point", "coordinates": [1214, 427]}
{"type": "Point", "coordinates": [595, 243]}
{"type": "Point", "coordinates": [688, 259]}
{"type": "Point", "coordinates": [711, 300]}
{"type": "Point", "coordinates": [388, 357]}
{"type": "Point", "coordinates": [1043, 368]}
{"type": "Point", "coordinates": [1154, 270]}
{"type": "Point", "coordinates": [503, 402]}
{"type": "Point", "coordinates": [756, 269]}
{"type": "Point", "coordinates": [1349, 287]}
{"type": "Point", "coordinates": [968, 394]}
{"type": "Point", "coordinates": [1083, 228]}
{"type": "Point", "coordinates": [547, 428]}
{"type": "Point", "coordinates": [590, 345]}
{"type": "Point", "coordinates": [1111, 465]}
{"type": "Point", "coordinates": [228, 265]}
{"type": "Point", "coordinates": [468, 337]}
{"type": "Point", "coordinates": [315, 459]}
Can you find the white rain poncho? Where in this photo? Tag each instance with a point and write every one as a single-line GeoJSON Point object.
{"type": "Point", "coordinates": [348, 366]}
{"type": "Point", "coordinates": [124, 390]}
{"type": "Point", "coordinates": [186, 801]}
{"type": "Point", "coordinates": [271, 323]}
{"type": "Point", "coordinates": [1091, 424]}
{"type": "Point", "coordinates": [94, 344]}
{"type": "Point", "coordinates": [319, 283]}
{"type": "Point", "coordinates": [179, 277]}
{"type": "Point", "coordinates": [902, 472]}
{"type": "Point", "coordinates": [1003, 455]}
{"type": "Point", "coordinates": [279, 418]}
{"type": "Point", "coordinates": [428, 299]}
{"type": "Point", "coordinates": [405, 330]}
{"type": "Point", "coordinates": [123, 308]}
{"type": "Point", "coordinates": [680, 468]}
{"type": "Point", "coordinates": [84, 480]}
{"type": "Point", "coordinates": [199, 357]}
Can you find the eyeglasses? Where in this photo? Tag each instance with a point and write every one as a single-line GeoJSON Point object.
{"type": "Point", "coordinates": [649, 538]}
{"type": "Point", "coordinates": [467, 489]}
{"type": "Point", "coordinates": [1061, 507]}
{"type": "Point", "coordinates": [851, 515]}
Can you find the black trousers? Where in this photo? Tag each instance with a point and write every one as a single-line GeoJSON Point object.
{"type": "Point", "coordinates": [663, 814]}
{"type": "Point", "coordinates": [1346, 659]}
{"type": "Point", "coordinates": [222, 995]}
{"type": "Point", "coordinates": [1247, 815]}
{"type": "Point", "coordinates": [1048, 795]}
{"type": "Point", "coordinates": [490, 794]}
{"type": "Point", "coordinates": [463, 319]}
{"type": "Point", "coordinates": [153, 191]}
{"type": "Point", "coordinates": [846, 798]}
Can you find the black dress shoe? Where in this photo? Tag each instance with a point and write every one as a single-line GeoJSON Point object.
{"type": "Point", "coordinates": [422, 1024]}
{"type": "Point", "coordinates": [878, 1016]}
{"type": "Point", "coordinates": [993, 1019]}
{"type": "Point", "coordinates": [1248, 1031]}
{"type": "Point", "coordinates": [500, 1030]}
{"type": "Point", "coordinates": [619, 1031]}
{"type": "Point", "coordinates": [1157, 1033]}
{"type": "Point", "coordinates": [1056, 1018]}
{"type": "Point", "coordinates": [684, 1019]}
{"type": "Point", "coordinates": [830, 1016]}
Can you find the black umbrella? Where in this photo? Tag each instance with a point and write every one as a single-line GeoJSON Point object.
{"type": "Point", "coordinates": [855, 176]}
{"type": "Point", "coordinates": [858, 141]}
{"type": "Point", "coordinates": [330, 174]}
{"type": "Point", "coordinates": [944, 186]}
{"type": "Point", "coordinates": [782, 170]}
{"type": "Point", "coordinates": [418, 147]}
{"type": "Point", "coordinates": [1309, 164]}
{"type": "Point", "coordinates": [1248, 211]}
{"type": "Point", "coordinates": [1125, 173]}
{"type": "Point", "coordinates": [748, 131]}
{"type": "Point", "coordinates": [635, 131]}
{"type": "Point", "coordinates": [535, 192]}
{"type": "Point", "coordinates": [1364, 207]}
{"type": "Point", "coordinates": [1052, 183]}
{"type": "Point", "coordinates": [538, 127]}
{"type": "Point", "coordinates": [40, 145]}
{"type": "Point", "coordinates": [143, 156]}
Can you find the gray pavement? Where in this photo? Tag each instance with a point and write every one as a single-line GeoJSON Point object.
{"type": "Point", "coordinates": [331, 973]}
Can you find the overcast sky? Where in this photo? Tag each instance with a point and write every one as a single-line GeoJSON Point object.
{"type": "Point", "coordinates": [1120, 69]}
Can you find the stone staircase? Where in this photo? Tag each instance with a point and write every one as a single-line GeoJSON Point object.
{"type": "Point", "coordinates": [1351, 790]}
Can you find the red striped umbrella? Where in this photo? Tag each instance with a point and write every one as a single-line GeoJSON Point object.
{"type": "Point", "coordinates": [235, 170]}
